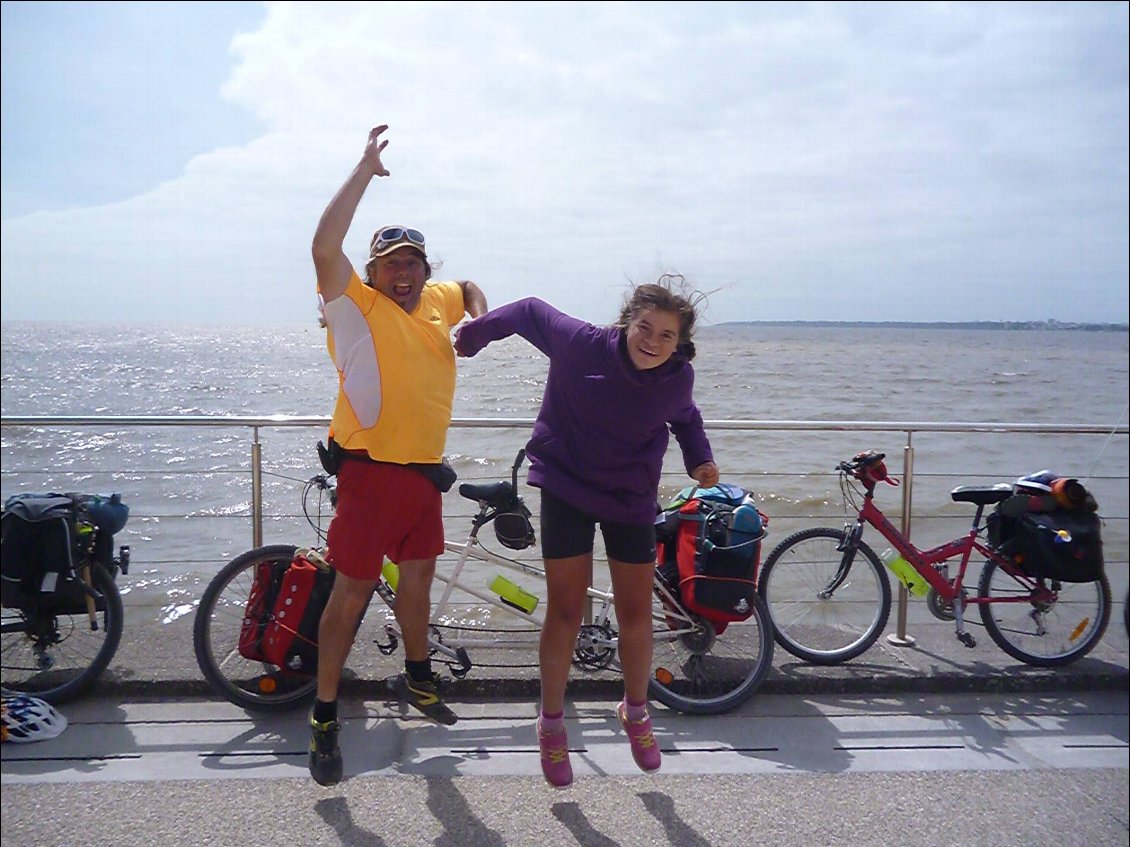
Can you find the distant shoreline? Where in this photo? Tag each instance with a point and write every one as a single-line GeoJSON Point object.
{"type": "Point", "coordinates": [1004, 325]}
{"type": "Point", "coordinates": [1027, 326]}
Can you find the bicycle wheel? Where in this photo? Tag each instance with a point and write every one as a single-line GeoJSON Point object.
{"type": "Point", "coordinates": [58, 657]}
{"type": "Point", "coordinates": [1044, 631]}
{"type": "Point", "coordinates": [814, 618]}
{"type": "Point", "coordinates": [697, 671]}
{"type": "Point", "coordinates": [254, 685]}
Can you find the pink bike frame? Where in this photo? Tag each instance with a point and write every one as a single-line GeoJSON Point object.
{"type": "Point", "coordinates": [923, 561]}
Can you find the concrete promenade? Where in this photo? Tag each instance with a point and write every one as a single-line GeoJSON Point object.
{"type": "Point", "coordinates": [156, 660]}
{"type": "Point", "coordinates": [928, 744]}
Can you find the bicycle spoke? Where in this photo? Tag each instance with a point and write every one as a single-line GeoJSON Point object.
{"type": "Point", "coordinates": [1053, 628]}
{"type": "Point", "coordinates": [820, 614]}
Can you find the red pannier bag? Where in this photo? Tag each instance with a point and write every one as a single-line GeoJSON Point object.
{"type": "Point", "coordinates": [713, 557]}
{"type": "Point", "coordinates": [290, 639]}
{"type": "Point", "coordinates": [284, 608]}
{"type": "Point", "coordinates": [260, 604]}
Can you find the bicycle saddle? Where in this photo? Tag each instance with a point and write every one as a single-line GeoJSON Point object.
{"type": "Point", "coordinates": [982, 495]}
{"type": "Point", "coordinates": [499, 495]}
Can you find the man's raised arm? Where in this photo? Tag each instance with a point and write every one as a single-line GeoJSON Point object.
{"type": "Point", "coordinates": [331, 265]}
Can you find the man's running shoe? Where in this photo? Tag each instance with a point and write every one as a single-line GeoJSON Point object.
{"type": "Point", "coordinates": [555, 764]}
{"type": "Point", "coordinates": [422, 696]}
{"type": "Point", "coordinates": [644, 749]}
{"type": "Point", "coordinates": [325, 755]}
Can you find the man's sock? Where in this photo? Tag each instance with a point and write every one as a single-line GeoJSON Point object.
{"type": "Point", "coordinates": [419, 671]}
{"type": "Point", "coordinates": [325, 712]}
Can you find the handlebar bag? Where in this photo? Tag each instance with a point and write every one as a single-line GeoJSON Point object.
{"type": "Point", "coordinates": [1064, 545]}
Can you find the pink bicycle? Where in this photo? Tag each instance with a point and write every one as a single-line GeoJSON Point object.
{"type": "Point", "coordinates": [829, 595]}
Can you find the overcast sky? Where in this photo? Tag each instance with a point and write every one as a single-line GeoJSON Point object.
{"type": "Point", "coordinates": [827, 161]}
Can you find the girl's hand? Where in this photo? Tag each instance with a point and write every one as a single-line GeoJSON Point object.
{"type": "Point", "coordinates": [460, 350]}
{"type": "Point", "coordinates": [706, 475]}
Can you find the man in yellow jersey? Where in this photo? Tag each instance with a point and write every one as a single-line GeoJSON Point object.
{"type": "Point", "coordinates": [389, 336]}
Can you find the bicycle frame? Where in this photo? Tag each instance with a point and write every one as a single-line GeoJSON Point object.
{"type": "Point", "coordinates": [924, 561]}
{"type": "Point", "coordinates": [695, 669]}
{"type": "Point", "coordinates": [829, 593]}
{"type": "Point", "coordinates": [473, 550]}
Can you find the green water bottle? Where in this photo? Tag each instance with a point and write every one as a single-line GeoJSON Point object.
{"type": "Point", "coordinates": [513, 595]}
{"type": "Point", "coordinates": [391, 572]}
{"type": "Point", "coordinates": [905, 573]}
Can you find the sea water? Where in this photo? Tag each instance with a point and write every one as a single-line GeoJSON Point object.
{"type": "Point", "coordinates": [189, 488]}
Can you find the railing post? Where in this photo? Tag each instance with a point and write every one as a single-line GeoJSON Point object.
{"type": "Point", "coordinates": [256, 489]}
{"type": "Point", "coordinates": [899, 637]}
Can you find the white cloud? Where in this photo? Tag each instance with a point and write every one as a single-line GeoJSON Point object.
{"type": "Point", "coordinates": [841, 161]}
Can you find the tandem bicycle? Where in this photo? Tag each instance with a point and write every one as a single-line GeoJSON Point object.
{"type": "Point", "coordinates": [829, 596]}
{"type": "Point", "coordinates": [698, 668]}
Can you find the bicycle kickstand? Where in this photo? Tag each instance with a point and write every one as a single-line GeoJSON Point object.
{"type": "Point", "coordinates": [963, 636]}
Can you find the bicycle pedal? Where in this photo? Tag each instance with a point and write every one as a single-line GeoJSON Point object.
{"type": "Point", "coordinates": [387, 648]}
{"type": "Point", "coordinates": [464, 661]}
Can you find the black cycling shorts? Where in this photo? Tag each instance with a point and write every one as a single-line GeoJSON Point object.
{"type": "Point", "coordinates": [567, 531]}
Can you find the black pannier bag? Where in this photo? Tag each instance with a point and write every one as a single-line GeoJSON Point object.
{"type": "Point", "coordinates": [40, 553]}
{"type": "Point", "coordinates": [46, 540]}
{"type": "Point", "coordinates": [1050, 528]}
{"type": "Point", "coordinates": [1062, 545]}
{"type": "Point", "coordinates": [1001, 529]}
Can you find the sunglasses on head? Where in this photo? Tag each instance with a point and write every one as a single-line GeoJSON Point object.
{"type": "Point", "coordinates": [392, 234]}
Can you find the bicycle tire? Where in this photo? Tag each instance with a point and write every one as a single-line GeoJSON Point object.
{"type": "Point", "coordinates": [253, 685]}
{"type": "Point", "coordinates": [705, 673]}
{"type": "Point", "coordinates": [1072, 624]}
{"type": "Point", "coordinates": [78, 655]}
{"type": "Point", "coordinates": [814, 627]}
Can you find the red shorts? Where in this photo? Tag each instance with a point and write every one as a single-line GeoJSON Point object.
{"type": "Point", "coordinates": [383, 511]}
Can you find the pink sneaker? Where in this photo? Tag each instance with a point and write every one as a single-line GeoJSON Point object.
{"type": "Point", "coordinates": [644, 749]}
{"type": "Point", "coordinates": [555, 757]}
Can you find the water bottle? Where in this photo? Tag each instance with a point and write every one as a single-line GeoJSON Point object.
{"type": "Point", "coordinates": [391, 572]}
{"type": "Point", "coordinates": [745, 525]}
{"type": "Point", "coordinates": [513, 595]}
{"type": "Point", "coordinates": [905, 572]}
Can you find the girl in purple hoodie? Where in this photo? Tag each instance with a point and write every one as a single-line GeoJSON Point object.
{"type": "Point", "coordinates": [611, 397]}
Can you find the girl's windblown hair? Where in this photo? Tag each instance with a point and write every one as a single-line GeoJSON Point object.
{"type": "Point", "coordinates": [667, 294]}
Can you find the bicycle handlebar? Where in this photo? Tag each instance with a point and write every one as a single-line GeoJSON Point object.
{"type": "Point", "coordinates": [860, 461]}
{"type": "Point", "coordinates": [868, 467]}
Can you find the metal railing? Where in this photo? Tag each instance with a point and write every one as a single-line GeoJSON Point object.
{"type": "Point", "coordinates": [906, 429]}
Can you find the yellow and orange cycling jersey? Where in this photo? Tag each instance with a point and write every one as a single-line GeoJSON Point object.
{"type": "Point", "coordinates": [396, 371]}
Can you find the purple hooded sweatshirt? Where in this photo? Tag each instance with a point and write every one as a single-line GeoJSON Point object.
{"type": "Point", "coordinates": [601, 434]}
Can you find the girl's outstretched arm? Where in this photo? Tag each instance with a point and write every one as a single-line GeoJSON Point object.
{"type": "Point", "coordinates": [533, 319]}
